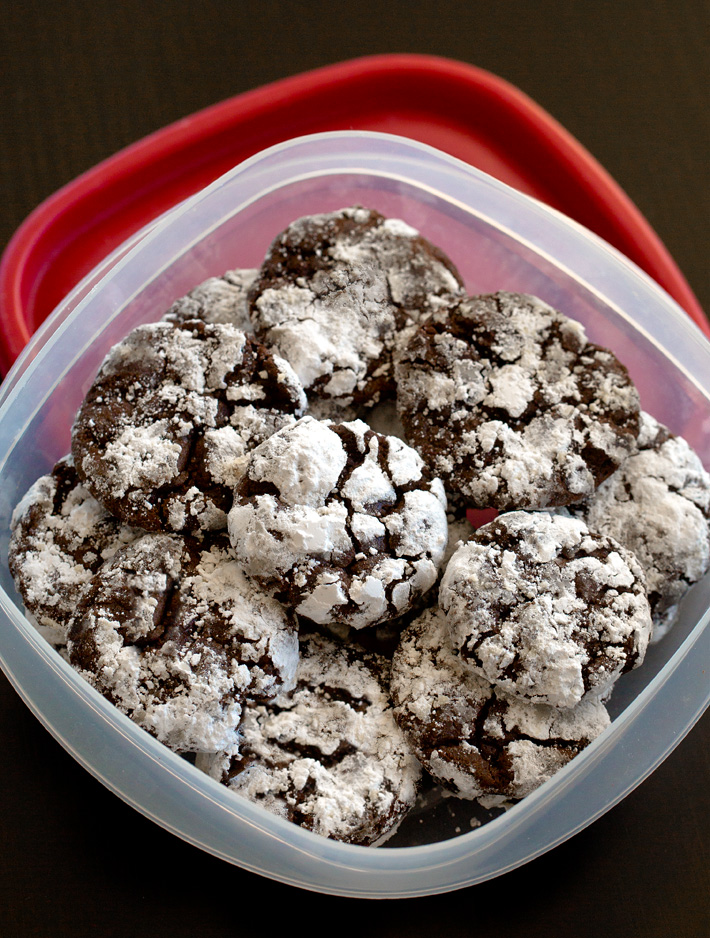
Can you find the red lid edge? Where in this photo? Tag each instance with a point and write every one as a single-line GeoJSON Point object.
{"type": "Point", "coordinates": [581, 165]}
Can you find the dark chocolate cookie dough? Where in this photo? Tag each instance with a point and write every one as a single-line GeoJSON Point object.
{"type": "Point", "coordinates": [327, 756]}
{"type": "Point", "coordinates": [334, 293]}
{"type": "Point", "coordinates": [544, 609]}
{"type": "Point", "coordinates": [173, 633]}
{"type": "Point", "coordinates": [474, 739]}
{"type": "Point", "coordinates": [172, 409]}
{"type": "Point", "coordinates": [60, 537]}
{"type": "Point", "coordinates": [657, 504]}
{"type": "Point", "coordinates": [511, 406]}
{"type": "Point", "coordinates": [343, 524]}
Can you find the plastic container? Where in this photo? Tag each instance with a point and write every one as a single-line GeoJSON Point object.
{"type": "Point", "coordinates": [500, 239]}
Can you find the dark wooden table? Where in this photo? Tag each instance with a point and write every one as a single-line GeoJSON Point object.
{"type": "Point", "coordinates": [79, 81]}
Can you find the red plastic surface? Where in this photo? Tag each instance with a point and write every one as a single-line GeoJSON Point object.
{"type": "Point", "coordinates": [458, 108]}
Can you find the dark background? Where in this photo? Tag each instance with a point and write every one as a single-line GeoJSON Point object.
{"type": "Point", "coordinates": [80, 80]}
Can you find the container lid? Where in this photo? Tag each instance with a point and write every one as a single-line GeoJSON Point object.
{"type": "Point", "coordinates": [458, 108]}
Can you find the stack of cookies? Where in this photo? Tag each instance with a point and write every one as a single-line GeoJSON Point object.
{"type": "Point", "coordinates": [263, 564]}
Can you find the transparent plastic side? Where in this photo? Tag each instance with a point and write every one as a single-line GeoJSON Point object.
{"type": "Point", "coordinates": [500, 240]}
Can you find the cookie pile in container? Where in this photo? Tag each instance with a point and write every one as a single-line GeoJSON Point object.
{"type": "Point", "coordinates": [261, 547]}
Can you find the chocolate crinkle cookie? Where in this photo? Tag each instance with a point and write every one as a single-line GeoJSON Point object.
{"type": "Point", "coordinates": [343, 524]}
{"type": "Point", "coordinates": [174, 406]}
{"type": "Point", "coordinates": [544, 609]}
{"type": "Point", "coordinates": [217, 300]}
{"type": "Point", "coordinates": [511, 406]}
{"type": "Point", "coordinates": [474, 739]}
{"type": "Point", "coordinates": [173, 633]}
{"type": "Point", "coordinates": [334, 293]}
{"type": "Point", "coordinates": [60, 536]}
{"type": "Point", "coordinates": [657, 504]}
{"type": "Point", "coordinates": [384, 638]}
{"type": "Point", "coordinates": [327, 756]}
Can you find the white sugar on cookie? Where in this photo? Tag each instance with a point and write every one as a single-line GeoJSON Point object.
{"type": "Point", "coordinates": [327, 756]}
{"type": "Point", "coordinates": [657, 504]}
{"type": "Point", "coordinates": [335, 293]}
{"type": "Point", "coordinates": [345, 525]}
{"type": "Point", "coordinates": [473, 738]}
{"type": "Point", "coordinates": [544, 609]}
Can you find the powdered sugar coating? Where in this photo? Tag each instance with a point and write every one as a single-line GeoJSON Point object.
{"type": "Point", "coordinates": [175, 635]}
{"type": "Point", "coordinates": [217, 300]}
{"type": "Point", "coordinates": [334, 292]}
{"type": "Point", "coordinates": [60, 536]}
{"type": "Point", "coordinates": [172, 410]}
{"type": "Point", "coordinates": [345, 525]}
{"type": "Point", "coordinates": [384, 638]}
{"type": "Point", "coordinates": [511, 406]}
{"type": "Point", "coordinates": [472, 737]}
{"type": "Point", "coordinates": [544, 609]}
{"type": "Point", "coordinates": [657, 504]}
{"type": "Point", "coordinates": [328, 756]}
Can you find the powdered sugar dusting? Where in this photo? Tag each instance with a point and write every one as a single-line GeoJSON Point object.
{"type": "Point", "coordinates": [334, 291]}
{"type": "Point", "coordinates": [171, 411]}
{"type": "Point", "coordinates": [217, 300]}
{"type": "Point", "coordinates": [475, 739]}
{"type": "Point", "coordinates": [177, 637]}
{"type": "Point", "coordinates": [60, 537]}
{"type": "Point", "coordinates": [511, 406]}
{"type": "Point", "coordinates": [657, 504]}
{"type": "Point", "coordinates": [545, 610]}
{"type": "Point", "coordinates": [336, 519]}
{"type": "Point", "coordinates": [328, 756]}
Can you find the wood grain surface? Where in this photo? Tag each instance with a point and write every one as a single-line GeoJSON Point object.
{"type": "Point", "coordinates": [78, 81]}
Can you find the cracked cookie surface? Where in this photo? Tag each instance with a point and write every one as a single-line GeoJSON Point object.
{"type": "Point", "coordinates": [334, 293]}
{"type": "Point", "coordinates": [545, 609]}
{"type": "Point", "coordinates": [173, 633]}
{"type": "Point", "coordinates": [384, 638]}
{"type": "Point", "coordinates": [511, 406]}
{"type": "Point", "coordinates": [60, 536]}
{"type": "Point", "coordinates": [173, 407]}
{"type": "Point", "coordinates": [474, 739]}
{"type": "Point", "coordinates": [217, 300]}
{"type": "Point", "coordinates": [343, 524]}
{"type": "Point", "coordinates": [657, 504]}
{"type": "Point", "coordinates": [327, 756]}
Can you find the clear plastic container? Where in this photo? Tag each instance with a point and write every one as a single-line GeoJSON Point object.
{"type": "Point", "coordinates": [499, 239]}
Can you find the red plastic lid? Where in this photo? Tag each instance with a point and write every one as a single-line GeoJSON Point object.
{"type": "Point", "coordinates": [457, 108]}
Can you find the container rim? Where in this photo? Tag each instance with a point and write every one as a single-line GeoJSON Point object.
{"type": "Point", "coordinates": [451, 175]}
